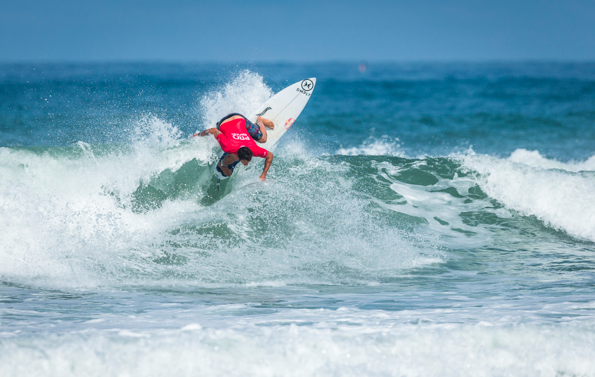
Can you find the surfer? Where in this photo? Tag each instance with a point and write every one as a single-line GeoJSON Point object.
{"type": "Point", "coordinates": [236, 135]}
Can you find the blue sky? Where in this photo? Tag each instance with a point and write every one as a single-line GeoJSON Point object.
{"type": "Point", "coordinates": [296, 31]}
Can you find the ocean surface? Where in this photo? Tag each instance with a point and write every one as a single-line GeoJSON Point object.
{"type": "Point", "coordinates": [418, 220]}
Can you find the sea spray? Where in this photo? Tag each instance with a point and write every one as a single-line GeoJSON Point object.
{"type": "Point", "coordinates": [243, 94]}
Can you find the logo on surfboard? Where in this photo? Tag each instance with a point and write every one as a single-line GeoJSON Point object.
{"type": "Point", "coordinates": [307, 85]}
{"type": "Point", "coordinates": [288, 123]}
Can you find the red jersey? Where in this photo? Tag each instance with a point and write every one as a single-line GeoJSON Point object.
{"type": "Point", "coordinates": [234, 136]}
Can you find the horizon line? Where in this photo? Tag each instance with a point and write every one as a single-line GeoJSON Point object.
{"type": "Point", "coordinates": [289, 62]}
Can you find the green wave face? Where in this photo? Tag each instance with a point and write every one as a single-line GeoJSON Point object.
{"type": "Point", "coordinates": [109, 215]}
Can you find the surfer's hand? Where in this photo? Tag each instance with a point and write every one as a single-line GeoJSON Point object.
{"type": "Point", "coordinates": [263, 177]}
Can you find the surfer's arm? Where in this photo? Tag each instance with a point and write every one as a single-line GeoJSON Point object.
{"type": "Point", "coordinates": [226, 171]}
{"type": "Point", "coordinates": [267, 164]}
{"type": "Point", "coordinates": [212, 131]}
{"type": "Point", "coordinates": [228, 160]}
{"type": "Point", "coordinates": [263, 123]}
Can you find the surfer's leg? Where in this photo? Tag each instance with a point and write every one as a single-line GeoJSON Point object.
{"type": "Point", "coordinates": [266, 122]}
{"type": "Point", "coordinates": [256, 131]}
{"type": "Point", "coordinates": [263, 131]}
{"type": "Point", "coordinates": [263, 124]}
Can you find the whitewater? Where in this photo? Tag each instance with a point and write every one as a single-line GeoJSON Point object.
{"type": "Point", "coordinates": [428, 221]}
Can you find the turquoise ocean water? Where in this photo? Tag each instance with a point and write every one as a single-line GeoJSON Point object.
{"type": "Point", "coordinates": [418, 220]}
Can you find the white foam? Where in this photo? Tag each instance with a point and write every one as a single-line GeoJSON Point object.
{"type": "Point", "coordinates": [61, 225]}
{"type": "Point", "coordinates": [192, 327]}
{"type": "Point", "coordinates": [347, 350]}
{"type": "Point", "coordinates": [562, 199]}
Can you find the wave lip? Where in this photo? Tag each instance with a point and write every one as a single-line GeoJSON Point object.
{"type": "Point", "coordinates": [535, 159]}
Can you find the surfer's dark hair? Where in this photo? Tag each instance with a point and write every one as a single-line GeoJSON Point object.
{"type": "Point", "coordinates": [244, 153]}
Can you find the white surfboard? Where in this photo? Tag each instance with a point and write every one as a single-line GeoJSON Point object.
{"type": "Point", "coordinates": [283, 109]}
